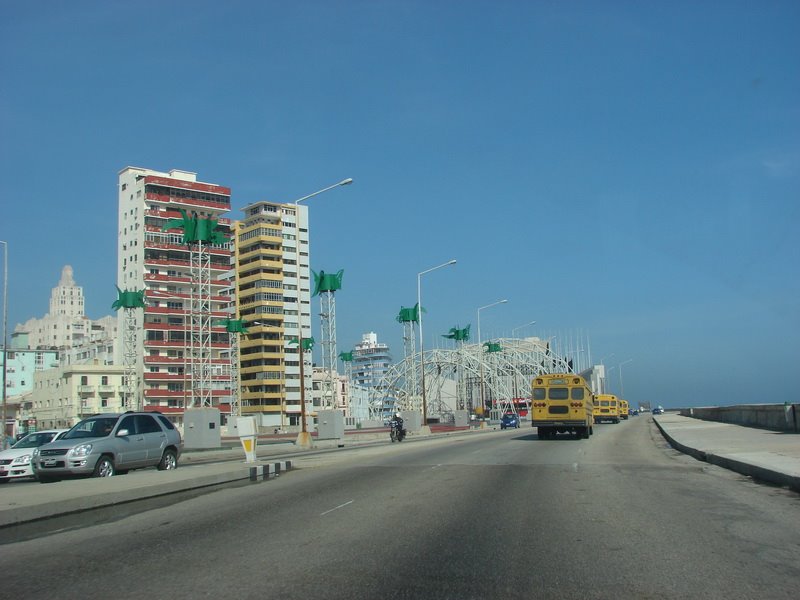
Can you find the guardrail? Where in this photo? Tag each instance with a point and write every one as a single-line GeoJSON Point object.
{"type": "Point", "coordinates": [776, 417]}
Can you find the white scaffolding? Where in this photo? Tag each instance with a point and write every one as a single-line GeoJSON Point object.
{"type": "Point", "coordinates": [130, 360]}
{"type": "Point", "coordinates": [327, 302]}
{"type": "Point", "coordinates": [200, 327]}
{"type": "Point", "coordinates": [236, 376]}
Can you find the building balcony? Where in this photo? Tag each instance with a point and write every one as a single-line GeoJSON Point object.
{"type": "Point", "coordinates": [186, 202]}
{"type": "Point", "coordinates": [277, 276]}
{"type": "Point", "coordinates": [167, 310]}
{"type": "Point", "coordinates": [180, 247]}
{"type": "Point", "coordinates": [184, 278]}
{"type": "Point", "coordinates": [172, 214]}
{"type": "Point", "coordinates": [165, 376]}
{"type": "Point", "coordinates": [248, 395]}
{"type": "Point", "coordinates": [106, 390]}
{"type": "Point", "coordinates": [261, 369]}
{"type": "Point", "coordinates": [168, 410]}
{"type": "Point", "coordinates": [165, 327]}
{"type": "Point", "coordinates": [86, 390]}
{"type": "Point", "coordinates": [169, 360]}
{"type": "Point", "coordinates": [167, 278]}
{"type": "Point", "coordinates": [261, 409]}
{"type": "Point", "coordinates": [165, 262]}
{"type": "Point", "coordinates": [159, 393]}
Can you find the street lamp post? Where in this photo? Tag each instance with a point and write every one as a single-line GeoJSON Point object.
{"type": "Point", "coordinates": [521, 327]}
{"type": "Point", "coordinates": [5, 338]}
{"type": "Point", "coordinates": [603, 364]}
{"type": "Point", "coordinates": [621, 386]}
{"type": "Point", "coordinates": [480, 349]}
{"type": "Point", "coordinates": [304, 438]}
{"type": "Point", "coordinates": [514, 377]}
{"type": "Point", "coordinates": [421, 339]}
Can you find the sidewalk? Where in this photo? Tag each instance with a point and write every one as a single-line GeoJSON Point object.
{"type": "Point", "coordinates": [49, 507]}
{"type": "Point", "coordinates": [770, 456]}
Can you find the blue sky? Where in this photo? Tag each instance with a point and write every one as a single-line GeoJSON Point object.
{"type": "Point", "coordinates": [626, 169]}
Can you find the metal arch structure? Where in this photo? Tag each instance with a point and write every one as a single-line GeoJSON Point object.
{"type": "Point", "coordinates": [455, 377]}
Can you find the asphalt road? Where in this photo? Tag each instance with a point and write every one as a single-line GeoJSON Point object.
{"type": "Point", "coordinates": [495, 515]}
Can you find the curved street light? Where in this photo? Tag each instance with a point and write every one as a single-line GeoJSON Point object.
{"type": "Point", "coordinates": [480, 352]}
{"type": "Point", "coordinates": [304, 438]}
{"type": "Point", "coordinates": [421, 339]}
{"type": "Point", "coordinates": [621, 386]}
{"type": "Point", "coordinates": [522, 327]}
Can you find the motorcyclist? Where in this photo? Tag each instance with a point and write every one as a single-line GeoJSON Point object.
{"type": "Point", "coordinates": [397, 425]}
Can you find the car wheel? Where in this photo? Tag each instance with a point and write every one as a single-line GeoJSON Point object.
{"type": "Point", "coordinates": [168, 461]}
{"type": "Point", "coordinates": [104, 467]}
{"type": "Point", "coordinates": [3, 479]}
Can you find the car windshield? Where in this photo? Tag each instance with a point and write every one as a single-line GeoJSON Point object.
{"type": "Point", "coordinates": [34, 440]}
{"type": "Point", "coordinates": [90, 428]}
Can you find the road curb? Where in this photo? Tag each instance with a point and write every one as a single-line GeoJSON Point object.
{"type": "Point", "coordinates": [754, 471]}
{"type": "Point", "coordinates": [119, 499]}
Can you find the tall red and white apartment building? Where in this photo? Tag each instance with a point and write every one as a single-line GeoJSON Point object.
{"type": "Point", "coordinates": [160, 263]}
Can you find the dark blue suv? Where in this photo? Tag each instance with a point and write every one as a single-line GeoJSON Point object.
{"type": "Point", "coordinates": [509, 420]}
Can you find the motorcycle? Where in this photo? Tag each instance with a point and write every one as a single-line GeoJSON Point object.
{"type": "Point", "coordinates": [396, 431]}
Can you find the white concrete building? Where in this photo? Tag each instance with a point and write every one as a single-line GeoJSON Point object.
{"type": "Point", "coordinates": [63, 396]}
{"type": "Point", "coordinates": [68, 330]}
{"type": "Point", "coordinates": [159, 261]}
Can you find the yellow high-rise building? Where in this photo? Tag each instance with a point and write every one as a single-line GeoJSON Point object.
{"type": "Point", "coordinates": [273, 295]}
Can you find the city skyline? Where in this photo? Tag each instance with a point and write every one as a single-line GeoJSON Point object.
{"type": "Point", "coordinates": [628, 172]}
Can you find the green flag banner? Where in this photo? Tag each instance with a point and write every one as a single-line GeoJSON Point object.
{"type": "Point", "coordinates": [460, 335]}
{"type": "Point", "coordinates": [308, 343]}
{"type": "Point", "coordinates": [197, 229]}
{"type": "Point", "coordinates": [327, 282]}
{"type": "Point", "coordinates": [409, 315]}
{"type": "Point", "coordinates": [128, 299]}
{"type": "Point", "coordinates": [233, 325]}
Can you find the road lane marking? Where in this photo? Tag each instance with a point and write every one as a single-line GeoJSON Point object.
{"type": "Point", "coordinates": [335, 508]}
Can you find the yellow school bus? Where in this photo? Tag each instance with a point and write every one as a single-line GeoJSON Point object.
{"type": "Point", "coordinates": [606, 408]}
{"type": "Point", "coordinates": [623, 409]}
{"type": "Point", "coordinates": [561, 403]}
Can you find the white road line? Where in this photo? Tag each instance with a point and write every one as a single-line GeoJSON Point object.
{"type": "Point", "coordinates": [335, 508]}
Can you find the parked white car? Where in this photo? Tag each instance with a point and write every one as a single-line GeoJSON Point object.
{"type": "Point", "coordinates": [15, 462]}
